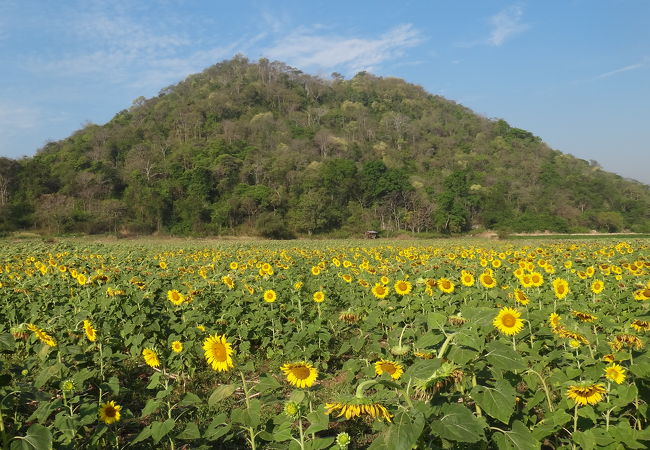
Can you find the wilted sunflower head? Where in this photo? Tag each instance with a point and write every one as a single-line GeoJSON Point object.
{"type": "Point", "coordinates": [358, 407]}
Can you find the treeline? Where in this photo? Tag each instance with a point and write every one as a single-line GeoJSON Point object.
{"type": "Point", "coordinates": [263, 148]}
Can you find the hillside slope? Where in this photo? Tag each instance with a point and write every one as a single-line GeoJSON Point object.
{"type": "Point", "coordinates": [262, 147]}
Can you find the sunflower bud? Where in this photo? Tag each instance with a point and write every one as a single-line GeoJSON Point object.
{"type": "Point", "coordinates": [292, 409]}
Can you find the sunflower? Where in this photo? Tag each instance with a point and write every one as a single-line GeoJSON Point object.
{"type": "Point", "coordinates": [589, 393]}
{"type": "Point", "coordinates": [177, 346]}
{"type": "Point", "coordinates": [301, 374]}
{"type": "Point", "coordinates": [520, 297]}
{"type": "Point", "coordinates": [218, 352]}
{"type": "Point", "coordinates": [640, 325]}
{"type": "Point", "coordinates": [109, 412]}
{"type": "Point", "coordinates": [536, 279]}
{"type": "Point", "coordinates": [560, 287]}
{"type": "Point", "coordinates": [403, 287]}
{"type": "Point", "coordinates": [467, 278]}
{"type": "Point", "coordinates": [233, 265]}
{"type": "Point", "coordinates": [42, 335]}
{"type": "Point", "coordinates": [626, 340]}
{"type": "Point", "coordinates": [380, 291]}
{"type": "Point", "coordinates": [91, 333]}
{"type": "Point", "coordinates": [358, 407]}
{"type": "Point", "coordinates": [392, 368]}
{"type": "Point", "coordinates": [615, 373]}
{"type": "Point", "coordinates": [175, 297]}
{"type": "Point", "coordinates": [151, 357]}
{"type": "Point", "coordinates": [384, 280]}
{"type": "Point", "coordinates": [81, 279]}
{"type": "Point", "coordinates": [270, 296]}
{"type": "Point", "coordinates": [228, 281]}
{"type": "Point", "coordinates": [315, 270]}
{"type": "Point", "coordinates": [446, 285]}
{"type": "Point", "coordinates": [554, 320]}
{"type": "Point", "coordinates": [487, 280]}
{"type": "Point", "coordinates": [584, 317]}
{"type": "Point", "coordinates": [162, 264]}
{"type": "Point", "coordinates": [597, 286]}
{"type": "Point", "coordinates": [508, 321]}
{"type": "Point", "coordinates": [319, 296]}
{"type": "Point", "coordinates": [347, 277]}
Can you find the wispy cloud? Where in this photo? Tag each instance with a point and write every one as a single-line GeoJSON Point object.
{"type": "Point", "coordinates": [505, 24]}
{"type": "Point", "coordinates": [638, 65]}
{"type": "Point", "coordinates": [308, 50]}
{"type": "Point", "coordinates": [15, 117]}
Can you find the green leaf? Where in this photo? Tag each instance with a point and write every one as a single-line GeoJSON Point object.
{"type": "Point", "coordinates": [551, 423]}
{"type": "Point", "coordinates": [267, 383]}
{"type": "Point", "coordinates": [498, 402]}
{"type": "Point", "coordinates": [7, 342]}
{"type": "Point", "coordinates": [161, 429]}
{"type": "Point", "coordinates": [47, 373]}
{"type": "Point", "coordinates": [297, 396]}
{"type": "Point", "coordinates": [519, 438]}
{"type": "Point", "coordinates": [215, 430]}
{"type": "Point", "coordinates": [190, 432]}
{"type": "Point", "coordinates": [282, 432]}
{"type": "Point", "coordinates": [585, 439]}
{"type": "Point", "coordinates": [458, 424]}
{"type": "Point", "coordinates": [503, 357]}
{"type": "Point", "coordinates": [190, 399]}
{"type": "Point", "coordinates": [154, 381]}
{"type": "Point", "coordinates": [38, 437]}
{"type": "Point", "coordinates": [423, 368]}
{"type": "Point", "coordinates": [461, 355]}
{"type": "Point", "coordinates": [151, 407]}
{"type": "Point", "coordinates": [436, 320]}
{"type": "Point", "coordinates": [403, 433]}
{"type": "Point", "coordinates": [143, 435]}
{"type": "Point", "coordinates": [318, 421]}
{"type": "Point", "coordinates": [429, 340]}
{"type": "Point", "coordinates": [223, 391]}
{"type": "Point", "coordinates": [319, 444]}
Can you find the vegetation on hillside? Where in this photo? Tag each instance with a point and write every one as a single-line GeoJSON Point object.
{"type": "Point", "coordinates": [263, 148]}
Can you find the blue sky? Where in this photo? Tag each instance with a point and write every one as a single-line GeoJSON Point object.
{"type": "Point", "coordinates": [574, 72]}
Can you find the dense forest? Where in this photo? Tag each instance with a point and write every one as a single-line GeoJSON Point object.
{"type": "Point", "coordinates": [262, 148]}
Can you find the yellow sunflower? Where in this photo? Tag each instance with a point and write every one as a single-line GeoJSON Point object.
{"type": "Point", "coordinates": [615, 373]}
{"type": "Point", "coordinates": [402, 287]}
{"type": "Point", "coordinates": [597, 286]}
{"type": "Point", "coordinates": [42, 335]}
{"type": "Point", "coordinates": [554, 320]}
{"type": "Point", "coordinates": [380, 291]}
{"type": "Point", "coordinates": [109, 412]}
{"type": "Point", "coordinates": [520, 297]}
{"type": "Point", "coordinates": [270, 296]}
{"type": "Point", "coordinates": [392, 368]}
{"type": "Point", "coordinates": [640, 325]}
{"type": "Point", "coordinates": [218, 352]}
{"type": "Point", "coordinates": [175, 297]}
{"type": "Point", "coordinates": [560, 287]}
{"type": "Point", "coordinates": [301, 374]}
{"type": "Point", "coordinates": [177, 346]}
{"type": "Point", "coordinates": [467, 278]}
{"type": "Point", "coordinates": [151, 357]}
{"type": "Point", "coordinates": [319, 296]}
{"type": "Point", "coordinates": [508, 321]}
{"type": "Point", "coordinates": [446, 285]}
{"type": "Point", "coordinates": [487, 280]}
{"type": "Point", "coordinates": [590, 393]}
{"type": "Point", "coordinates": [91, 333]}
{"type": "Point", "coordinates": [536, 279]}
{"type": "Point", "coordinates": [358, 408]}
{"type": "Point", "coordinates": [583, 316]}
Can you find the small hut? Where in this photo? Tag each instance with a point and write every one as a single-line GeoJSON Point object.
{"type": "Point", "coordinates": [372, 234]}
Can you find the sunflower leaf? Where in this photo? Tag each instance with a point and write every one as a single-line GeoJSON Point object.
{"type": "Point", "coordinates": [498, 402]}
{"type": "Point", "coordinates": [223, 391]}
{"type": "Point", "coordinates": [458, 424]}
{"type": "Point", "coordinates": [519, 438]}
{"type": "Point", "coordinates": [503, 357]}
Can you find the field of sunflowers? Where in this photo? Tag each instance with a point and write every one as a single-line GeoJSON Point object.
{"type": "Point", "coordinates": [325, 344]}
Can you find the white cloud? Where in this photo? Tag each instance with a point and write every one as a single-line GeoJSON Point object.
{"type": "Point", "coordinates": [623, 69]}
{"type": "Point", "coordinates": [506, 24]}
{"type": "Point", "coordinates": [307, 50]}
{"type": "Point", "coordinates": [13, 117]}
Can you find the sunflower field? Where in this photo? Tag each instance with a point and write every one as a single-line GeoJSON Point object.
{"type": "Point", "coordinates": [325, 344]}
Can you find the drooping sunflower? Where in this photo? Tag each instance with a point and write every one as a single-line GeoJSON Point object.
{"type": "Point", "coordinates": [91, 333]}
{"type": "Point", "coordinates": [42, 335]}
{"type": "Point", "coordinates": [640, 325]}
{"type": "Point", "coordinates": [446, 285]}
{"type": "Point", "coordinates": [218, 352]}
{"type": "Point", "coordinates": [300, 374]}
{"type": "Point", "coordinates": [560, 287]}
{"type": "Point", "coordinates": [615, 372]}
{"type": "Point", "coordinates": [151, 357]}
{"type": "Point", "coordinates": [109, 412]}
{"type": "Point", "coordinates": [520, 297]}
{"type": "Point", "coordinates": [508, 321]}
{"type": "Point", "coordinates": [487, 280]}
{"type": "Point", "coordinates": [380, 291]}
{"type": "Point", "coordinates": [586, 393]}
{"type": "Point", "coordinates": [392, 368]}
{"type": "Point", "coordinates": [358, 407]}
{"type": "Point", "coordinates": [177, 346]}
{"type": "Point", "coordinates": [228, 281]}
{"type": "Point", "coordinates": [583, 316]}
{"type": "Point", "coordinates": [270, 296]}
{"type": "Point", "coordinates": [175, 297]}
{"type": "Point", "coordinates": [319, 296]}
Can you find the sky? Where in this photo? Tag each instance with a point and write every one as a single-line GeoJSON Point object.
{"type": "Point", "coordinates": [574, 72]}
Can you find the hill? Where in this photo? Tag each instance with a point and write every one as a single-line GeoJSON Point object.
{"type": "Point", "coordinates": [263, 148]}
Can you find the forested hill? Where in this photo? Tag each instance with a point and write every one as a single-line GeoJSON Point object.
{"type": "Point", "coordinates": [263, 148]}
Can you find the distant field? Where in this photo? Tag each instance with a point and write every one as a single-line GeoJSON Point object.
{"type": "Point", "coordinates": [383, 344]}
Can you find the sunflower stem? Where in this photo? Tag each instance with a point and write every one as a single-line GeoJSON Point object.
{"type": "Point", "coordinates": [545, 387]}
{"type": "Point", "coordinates": [364, 385]}
{"type": "Point", "coordinates": [445, 344]}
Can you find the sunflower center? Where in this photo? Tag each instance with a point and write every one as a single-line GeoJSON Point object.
{"type": "Point", "coordinates": [219, 352]}
{"type": "Point", "coordinates": [300, 372]}
{"type": "Point", "coordinates": [388, 368]}
{"type": "Point", "coordinates": [110, 411]}
{"type": "Point", "coordinates": [488, 279]}
{"type": "Point", "coordinates": [446, 284]}
{"type": "Point", "coordinates": [560, 289]}
{"type": "Point", "coordinates": [509, 320]}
